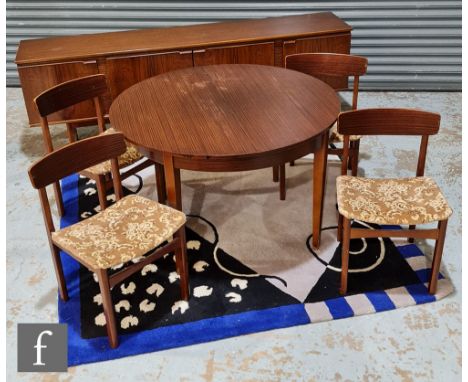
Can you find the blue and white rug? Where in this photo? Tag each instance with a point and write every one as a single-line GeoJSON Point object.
{"type": "Point", "coordinates": [228, 297]}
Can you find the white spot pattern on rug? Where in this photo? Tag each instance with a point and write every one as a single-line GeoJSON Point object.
{"type": "Point", "coordinates": [137, 259]}
{"type": "Point", "coordinates": [122, 304]}
{"type": "Point", "coordinates": [91, 181]}
{"type": "Point", "coordinates": [128, 321]}
{"type": "Point", "coordinates": [98, 299]}
{"type": "Point", "coordinates": [130, 289]}
{"type": "Point", "coordinates": [234, 297]}
{"type": "Point", "coordinates": [180, 305]}
{"type": "Point", "coordinates": [146, 306]}
{"type": "Point", "coordinates": [155, 288]}
{"type": "Point", "coordinates": [193, 244]}
{"type": "Point", "coordinates": [202, 291]}
{"type": "Point", "coordinates": [239, 283]}
{"type": "Point", "coordinates": [149, 268]}
{"type": "Point", "coordinates": [173, 276]}
{"type": "Point", "coordinates": [111, 198]}
{"type": "Point", "coordinates": [118, 266]}
{"type": "Point", "coordinates": [86, 215]}
{"type": "Point", "coordinates": [89, 191]}
{"type": "Point", "coordinates": [97, 208]}
{"type": "Point", "coordinates": [100, 319]}
{"type": "Point", "coordinates": [95, 277]}
{"type": "Point", "coordinates": [200, 266]}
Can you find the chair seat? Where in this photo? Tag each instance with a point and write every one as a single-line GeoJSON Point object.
{"type": "Point", "coordinates": [124, 231]}
{"type": "Point", "coordinates": [336, 137]}
{"type": "Point", "coordinates": [391, 201]}
{"type": "Point", "coordinates": [127, 158]}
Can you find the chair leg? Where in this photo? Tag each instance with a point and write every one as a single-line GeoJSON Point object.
{"type": "Point", "coordinates": [102, 192]}
{"type": "Point", "coordinates": [345, 255]}
{"type": "Point", "coordinates": [58, 198]}
{"type": "Point", "coordinates": [182, 264]}
{"type": "Point", "coordinates": [72, 133]}
{"type": "Point", "coordinates": [62, 286]}
{"type": "Point", "coordinates": [160, 183]}
{"type": "Point", "coordinates": [282, 181]}
{"type": "Point", "coordinates": [411, 239]}
{"type": "Point", "coordinates": [339, 234]}
{"type": "Point", "coordinates": [111, 326]}
{"type": "Point", "coordinates": [292, 163]}
{"type": "Point", "coordinates": [354, 157]}
{"type": "Point", "coordinates": [438, 250]}
{"type": "Point", "coordinates": [275, 173]}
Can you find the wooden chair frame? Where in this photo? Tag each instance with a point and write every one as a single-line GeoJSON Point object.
{"type": "Point", "coordinates": [70, 159]}
{"type": "Point", "coordinates": [73, 92]}
{"type": "Point", "coordinates": [389, 122]}
{"type": "Point", "coordinates": [330, 68]}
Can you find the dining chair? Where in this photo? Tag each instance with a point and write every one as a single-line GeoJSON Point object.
{"type": "Point", "coordinates": [127, 230]}
{"type": "Point", "coordinates": [393, 201]}
{"type": "Point", "coordinates": [330, 68]}
{"type": "Point", "coordinates": [87, 89]}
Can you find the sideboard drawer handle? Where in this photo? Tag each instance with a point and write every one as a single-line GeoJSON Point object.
{"type": "Point", "coordinates": [199, 51]}
{"type": "Point", "coordinates": [186, 52]}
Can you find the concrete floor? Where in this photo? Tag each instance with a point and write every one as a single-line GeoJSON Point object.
{"type": "Point", "coordinates": [420, 343]}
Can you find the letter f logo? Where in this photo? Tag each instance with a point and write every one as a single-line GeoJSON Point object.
{"type": "Point", "coordinates": [39, 347]}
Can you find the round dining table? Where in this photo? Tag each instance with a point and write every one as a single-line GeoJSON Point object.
{"type": "Point", "coordinates": [229, 118]}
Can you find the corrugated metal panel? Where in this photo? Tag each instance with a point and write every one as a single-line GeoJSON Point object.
{"type": "Point", "coordinates": [410, 44]}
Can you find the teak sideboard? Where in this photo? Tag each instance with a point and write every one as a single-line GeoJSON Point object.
{"type": "Point", "coordinates": [129, 57]}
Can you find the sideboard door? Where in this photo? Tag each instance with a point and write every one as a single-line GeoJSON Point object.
{"type": "Point", "coordinates": [123, 72]}
{"type": "Point", "coordinates": [260, 54]}
{"type": "Point", "coordinates": [37, 78]}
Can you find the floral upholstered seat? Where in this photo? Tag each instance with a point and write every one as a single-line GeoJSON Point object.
{"type": "Point", "coordinates": [124, 231]}
{"type": "Point", "coordinates": [336, 137]}
{"type": "Point", "coordinates": [391, 201]}
{"type": "Point", "coordinates": [127, 158]}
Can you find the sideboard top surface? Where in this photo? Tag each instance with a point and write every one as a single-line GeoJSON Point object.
{"type": "Point", "coordinates": [90, 46]}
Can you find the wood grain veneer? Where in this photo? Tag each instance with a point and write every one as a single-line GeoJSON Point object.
{"type": "Point", "coordinates": [128, 57]}
{"type": "Point", "coordinates": [167, 39]}
{"type": "Point", "coordinates": [225, 111]}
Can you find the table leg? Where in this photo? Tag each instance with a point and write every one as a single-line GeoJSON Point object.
{"type": "Point", "coordinates": [318, 193]}
{"type": "Point", "coordinates": [172, 178]}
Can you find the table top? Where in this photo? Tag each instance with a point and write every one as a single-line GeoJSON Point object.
{"type": "Point", "coordinates": [224, 111]}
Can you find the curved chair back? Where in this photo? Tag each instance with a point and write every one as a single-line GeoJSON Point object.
{"type": "Point", "coordinates": [68, 94]}
{"type": "Point", "coordinates": [389, 121]}
{"type": "Point", "coordinates": [330, 68]}
{"type": "Point", "coordinates": [74, 158]}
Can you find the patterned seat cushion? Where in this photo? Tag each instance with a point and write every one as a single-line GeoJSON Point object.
{"type": "Point", "coordinates": [336, 137]}
{"type": "Point", "coordinates": [127, 158]}
{"type": "Point", "coordinates": [391, 201]}
{"type": "Point", "coordinates": [124, 231]}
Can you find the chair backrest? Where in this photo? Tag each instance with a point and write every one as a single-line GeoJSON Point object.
{"type": "Point", "coordinates": [386, 121]}
{"type": "Point", "coordinates": [70, 93]}
{"type": "Point", "coordinates": [330, 68]}
{"type": "Point", "coordinates": [73, 158]}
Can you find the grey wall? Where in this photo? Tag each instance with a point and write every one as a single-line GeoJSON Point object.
{"type": "Point", "coordinates": [410, 44]}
